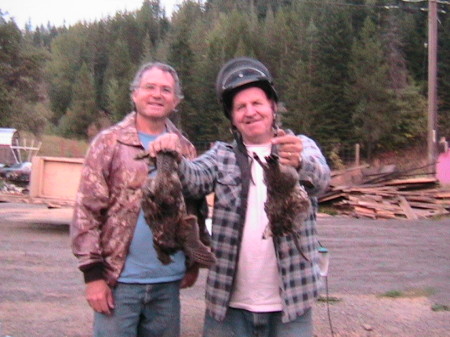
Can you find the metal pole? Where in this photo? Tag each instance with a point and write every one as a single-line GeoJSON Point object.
{"type": "Point", "coordinates": [432, 82]}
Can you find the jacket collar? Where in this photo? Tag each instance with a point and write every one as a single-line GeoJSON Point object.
{"type": "Point", "coordinates": [128, 133]}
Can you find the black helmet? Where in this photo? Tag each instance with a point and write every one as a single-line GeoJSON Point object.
{"type": "Point", "coordinates": [240, 73]}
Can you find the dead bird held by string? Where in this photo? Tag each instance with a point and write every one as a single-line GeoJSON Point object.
{"type": "Point", "coordinates": [174, 226]}
{"type": "Point", "coordinates": [287, 204]}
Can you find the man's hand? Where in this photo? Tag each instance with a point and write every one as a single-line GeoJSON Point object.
{"type": "Point", "coordinates": [99, 296]}
{"type": "Point", "coordinates": [167, 142]}
{"type": "Point", "coordinates": [290, 148]}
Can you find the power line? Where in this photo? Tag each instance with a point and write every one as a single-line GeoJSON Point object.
{"type": "Point", "coordinates": [339, 4]}
{"type": "Point", "coordinates": [441, 2]}
{"type": "Point", "coordinates": [389, 7]}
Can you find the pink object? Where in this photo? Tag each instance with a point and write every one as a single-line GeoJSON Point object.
{"type": "Point", "coordinates": [443, 168]}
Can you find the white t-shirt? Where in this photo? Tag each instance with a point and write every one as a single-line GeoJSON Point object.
{"type": "Point", "coordinates": [257, 281]}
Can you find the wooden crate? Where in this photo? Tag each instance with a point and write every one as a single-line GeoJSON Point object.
{"type": "Point", "coordinates": [55, 178]}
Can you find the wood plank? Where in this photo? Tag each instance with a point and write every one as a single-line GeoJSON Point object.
{"type": "Point", "coordinates": [443, 202]}
{"type": "Point", "coordinates": [407, 208]}
{"type": "Point", "coordinates": [379, 206]}
{"type": "Point", "coordinates": [425, 205]}
{"type": "Point", "coordinates": [417, 180]}
{"type": "Point", "coordinates": [365, 211]}
{"type": "Point", "coordinates": [442, 194]}
{"type": "Point", "coordinates": [366, 197]}
{"type": "Point", "coordinates": [332, 196]}
{"type": "Point", "coordinates": [419, 198]}
{"type": "Point", "coordinates": [422, 213]}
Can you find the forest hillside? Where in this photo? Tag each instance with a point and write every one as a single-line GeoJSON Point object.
{"type": "Point", "coordinates": [347, 71]}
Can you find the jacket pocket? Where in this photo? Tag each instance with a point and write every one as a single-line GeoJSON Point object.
{"type": "Point", "coordinates": [227, 190]}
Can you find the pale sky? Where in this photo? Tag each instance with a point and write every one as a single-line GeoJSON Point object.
{"type": "Point", "coordinates": [70, 11]}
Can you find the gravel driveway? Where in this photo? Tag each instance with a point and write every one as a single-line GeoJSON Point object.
{"type": "Point", "coordinates": [41, 291]}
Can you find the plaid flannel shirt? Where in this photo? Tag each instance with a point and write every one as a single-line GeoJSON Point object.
{"type": "Point", "coordinates": [217, 171]}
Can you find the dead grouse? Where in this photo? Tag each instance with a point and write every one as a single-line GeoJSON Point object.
{"type": "Point", "coordinates": [287, 204]}
{"type": "Point", "coordinates": [165, 212]}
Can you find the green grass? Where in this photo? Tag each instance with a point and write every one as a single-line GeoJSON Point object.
{"type": "Point", "coordinates": [328, 210]}
{"type": "Point", "coordinates": [410, 293]}
{"type": "Point", "coordinates": [55, 146]}
{"type": "Point", "coordinates": [440, 307]}
{"type": "Point", "coordinates": [392, 294]}
{"type": "Point", "coordinates": [331, 299]}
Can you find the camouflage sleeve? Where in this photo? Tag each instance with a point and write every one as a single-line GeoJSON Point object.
{"type": "Point", "coordinates": [314, 172]}
{"type": "Point", "coordinates": [91, 202]}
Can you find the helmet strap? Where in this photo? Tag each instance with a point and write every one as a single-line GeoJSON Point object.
{"type": "Point", "coordinates": [238, 138]}
{"type": "Point", "coordinates": [275, 124]}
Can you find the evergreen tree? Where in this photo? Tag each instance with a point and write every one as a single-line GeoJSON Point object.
{"type": "Point", "coordinates": [182, 59]}
{"type": "Point", "coordinates": [305, 44]}
{"type": "Point", "coordinates": [415, 50]}
{"type": "Point", "coordinates": [268, 38]}
{"type": "Point", "coordinates": [83, 109]}
{"type": "Point", "coordinates": [118, 78]}
{"type": "Point", "coordinates": [147, 52]}
{"type": "Point", "coordinates": [408, 119]}
{"type": "Point", "coordinates": [10, 38]}
{"type": "Point", "coordinates": [409, 110]}
{"type": "Point", "coordinates": [21, 74]}
{"type": "Point", "coordinates": [149, 19]}
{"type": "Point", "coordinates": [301, 93]}
{"type": "Point", "coordinates": [392, 40]}
{"type": "Point", "coordinates": [237, 36]}
{"type": "Point", "coordinates": [32, 117]}
{"type": "Point", "coordinates": [99, 46]}
{"type": "Point", "coordinates": [333, 120]}
{"type": "Point", "coordinates": [66, 59]}
{"type": "Point", "coordinates": [217, 126]}
{"type": "Point", "coordinates": [373, 100]}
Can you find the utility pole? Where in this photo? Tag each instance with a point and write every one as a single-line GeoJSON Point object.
{"type": "Point", "coordinates": [432, 84]}
{"type": "Point", "coordinates": [432, 79]}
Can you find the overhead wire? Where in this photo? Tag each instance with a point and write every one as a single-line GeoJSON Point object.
{"type": "Point", "coordinates": [387, 6]}
{"type": "Point", "coordinates": [351, 4]}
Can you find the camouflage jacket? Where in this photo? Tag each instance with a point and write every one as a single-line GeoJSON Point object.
{"type": "Point", "coordinates": [109, 199]}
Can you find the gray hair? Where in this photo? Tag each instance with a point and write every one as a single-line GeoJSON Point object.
{"type": "Point", "coordinates": [162, 66]}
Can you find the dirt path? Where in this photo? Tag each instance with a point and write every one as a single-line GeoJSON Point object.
{"type": "Point", "coordinates": [41, 291]}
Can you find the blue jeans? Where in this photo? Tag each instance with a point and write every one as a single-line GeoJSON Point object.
{"type": "Point", "coordinates": [243, 323]}
{"type": "Point", "coordinates": [142, 310]}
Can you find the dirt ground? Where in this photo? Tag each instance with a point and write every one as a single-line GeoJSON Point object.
{"type": "Point", "coordinates": [41, 290]}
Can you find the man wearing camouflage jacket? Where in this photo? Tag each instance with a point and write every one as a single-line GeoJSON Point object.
{"type": "Point", "coordinates": [131, 292]}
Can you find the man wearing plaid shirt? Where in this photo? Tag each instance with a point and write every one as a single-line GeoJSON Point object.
{"type": "Point", "coordinates": [259, 286]}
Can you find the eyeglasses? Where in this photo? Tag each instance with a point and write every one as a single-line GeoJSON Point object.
{"type": "Point", "coordinates": [150, 88]}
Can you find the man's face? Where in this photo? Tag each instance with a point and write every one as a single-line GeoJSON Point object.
{"type": "Point", "coordinates": [155, 97]}
{"type": "Point", "coordinates": [252, 114]}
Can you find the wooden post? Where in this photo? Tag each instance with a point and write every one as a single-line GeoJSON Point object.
{"type": "Point", "coordinates": [357, 154]}
{"type": "Point", "coordinates": [432, 83]}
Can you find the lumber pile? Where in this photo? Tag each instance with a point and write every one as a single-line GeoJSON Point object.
{"type": "Point", "coordinates": [391, 197]}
